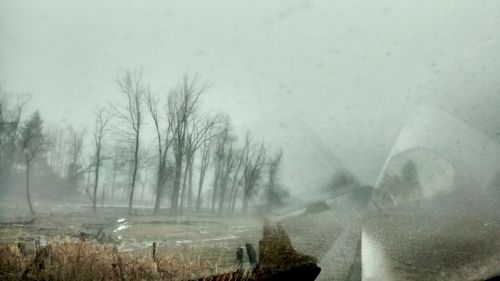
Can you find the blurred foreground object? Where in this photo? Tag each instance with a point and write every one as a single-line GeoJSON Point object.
{"type": "Point", "coordinates": [278, 260]}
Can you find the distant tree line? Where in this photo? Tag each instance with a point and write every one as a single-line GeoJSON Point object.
{"type": "Point", "coordinates": [195, 161]}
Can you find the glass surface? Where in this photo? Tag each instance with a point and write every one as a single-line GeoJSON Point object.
{"type": "Point", "coordinates": [360, 137]}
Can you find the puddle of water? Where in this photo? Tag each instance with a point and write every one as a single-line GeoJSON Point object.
{"type": "Point", "coordinates": [183, 242]}
{"type": "Point", "coordinates": [121, 227]}
{"type": "Point", "coordinates": [220, 238]}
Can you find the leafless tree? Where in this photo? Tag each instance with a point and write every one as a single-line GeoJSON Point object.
{"type": "Point", "coordinates": [10, 130]}
{"type": "Point", "coordinates": [55, 150]}
{"type": "Point", "coordinates": [230, 164]}
{"type": "Point", "coordinates": [204, 161]}
{"type": "Point", "coordinates": [64, 148]}
{"type": "Point", "coordinates": [182, 104]}
{"type": "Point", "coordinates": [218, 164]}
{"type": "Point", "coordinates": [199, 128]}
{"type": "Point", "coordinates": [224, 157]}
{"type": "Point", "coordinates": [32, 142]}
{"type": "Point", "coordinates": [100, 129]}
{"type": "Point", "coordinates": [163, 140]}
{"type": "Point", "coordinates": [118, 162]}
{"type": "Point", "coordinates": [273, 166]}
{"type": "Point", "coordinates": [130, 112]}
{"type": "Point", "coordinates": [74, 166]}
{"type": "Point", "coordinates": [237, 178]}
{"type": "Point", "coordinates": [254, 160]}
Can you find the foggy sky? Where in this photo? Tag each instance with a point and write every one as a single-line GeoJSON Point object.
{"type": "Point", "coordinates": [351, 70]}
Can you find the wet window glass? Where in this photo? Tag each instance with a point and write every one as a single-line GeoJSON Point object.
{"type": "Point", "coordinates": [276, 140]}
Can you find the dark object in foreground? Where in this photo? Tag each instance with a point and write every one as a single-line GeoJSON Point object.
{"type": "Point", "coordinates": [252, 255]}
{"type": "Point", "coordinates": [278, 261]}
{"type": "Point", "coordinates": [39, 262]}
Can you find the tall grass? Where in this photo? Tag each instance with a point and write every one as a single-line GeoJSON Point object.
{"type": "Point", "coordinates": [67, 261]}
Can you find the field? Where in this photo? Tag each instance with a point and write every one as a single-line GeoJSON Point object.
{"type": "Point", "coordinates": [446, 238]}
{"type": "Point", "coordinates": [192, 245]}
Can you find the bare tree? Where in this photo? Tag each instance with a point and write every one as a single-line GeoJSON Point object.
{"type": "Point", "coordinates": [225, 154]}
{"type": "Point", "coordinates": [74, 167]}
{"type": "Point", "coordinates": [199, 127]}
{"type": "Point", "coordinates": [182, 104]}
{"type": "Point", "coordinates": [230, 164]}
{"type": "Point", "coordinates": [54, 138]}
{"type": "Point", "coordinates": [10, 130]}
{"type": "Point", "coordinates": [32, 141]}
{"type": "Point", "coordinates": [273, 192]}
{"type": "Point", "coordinates": [100, 130]}
{"type": "Point", "coordinates": [236, 180]}
{"type": "Point", "coordinates": [204, 161]}
{"type": "Point", "coordinates": [254, 160]}
{"type": "Point", "coordinates": [119, 160]}
{"type": "Point", "coordinates": [190, 183]}
{"type": "Point", "coordinates": [218, 147]}
{"type": "Point", "coordinates": [217, 172]}
{"type": "Point", "coordinates": [130, 112]}
{"type": "Point", "coordinates": [64, 148]}
{"type": "Point", "coordinates": [163, 141]}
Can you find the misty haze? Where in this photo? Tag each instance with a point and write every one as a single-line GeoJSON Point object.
{"type": "Point", "coordinates": [231, 140]}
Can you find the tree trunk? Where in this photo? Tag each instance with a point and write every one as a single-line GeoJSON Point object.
{"type": "Point", "coordinates": [234, 189]}
{"type": "Point", "coordinates": [234, 195]}
{"type": "Point", "coordinates": [28, 196]}
{"type": "Point", "coordinates": [184, 184]}
{"type": "Point", "coordinates": [96, 181]}
{"type": "Point", "coordinates": [198, 200]}
{"type": "Point", "coordinates": [87, 185]}
{"type": "Point", "coordinates": [223, 187]}
{"type": "Point", "coordinates": [233, 204]}
{"type": "Point", "coordinates": [231, 195]}
{"type": "Point", "coordinates": [221, 198]}
{"type": "Point", "coordinates": [200, 187]}
{"type": "Point", "coordinates": [244, 207]}
{"type": "Point", "coordinates": [177, 185]}
{"type": "Point", "coordinates": [203, 169]}
{"type": "Point", "coordinates": [216, 185]}
{"type": "Point", "coordinates": [134, 174]}
{"type": "Point", "coordinates": [159, 189]}
{"type": "Point", "coordinates": [102, 198]}
{"type": "Point", "coordinates": [190, 185]}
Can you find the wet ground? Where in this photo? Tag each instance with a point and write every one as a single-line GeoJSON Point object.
{"type": "Point", "coordinates": [448, 238]}
{"type": "Point", "coordinates": [201, 236]}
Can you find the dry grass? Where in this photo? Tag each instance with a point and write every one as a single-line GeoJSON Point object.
{"type": "Point", "coordinates": [89, 261]}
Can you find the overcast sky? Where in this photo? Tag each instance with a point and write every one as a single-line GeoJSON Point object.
{"type": "Point", "coordinates": [350, 70]}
